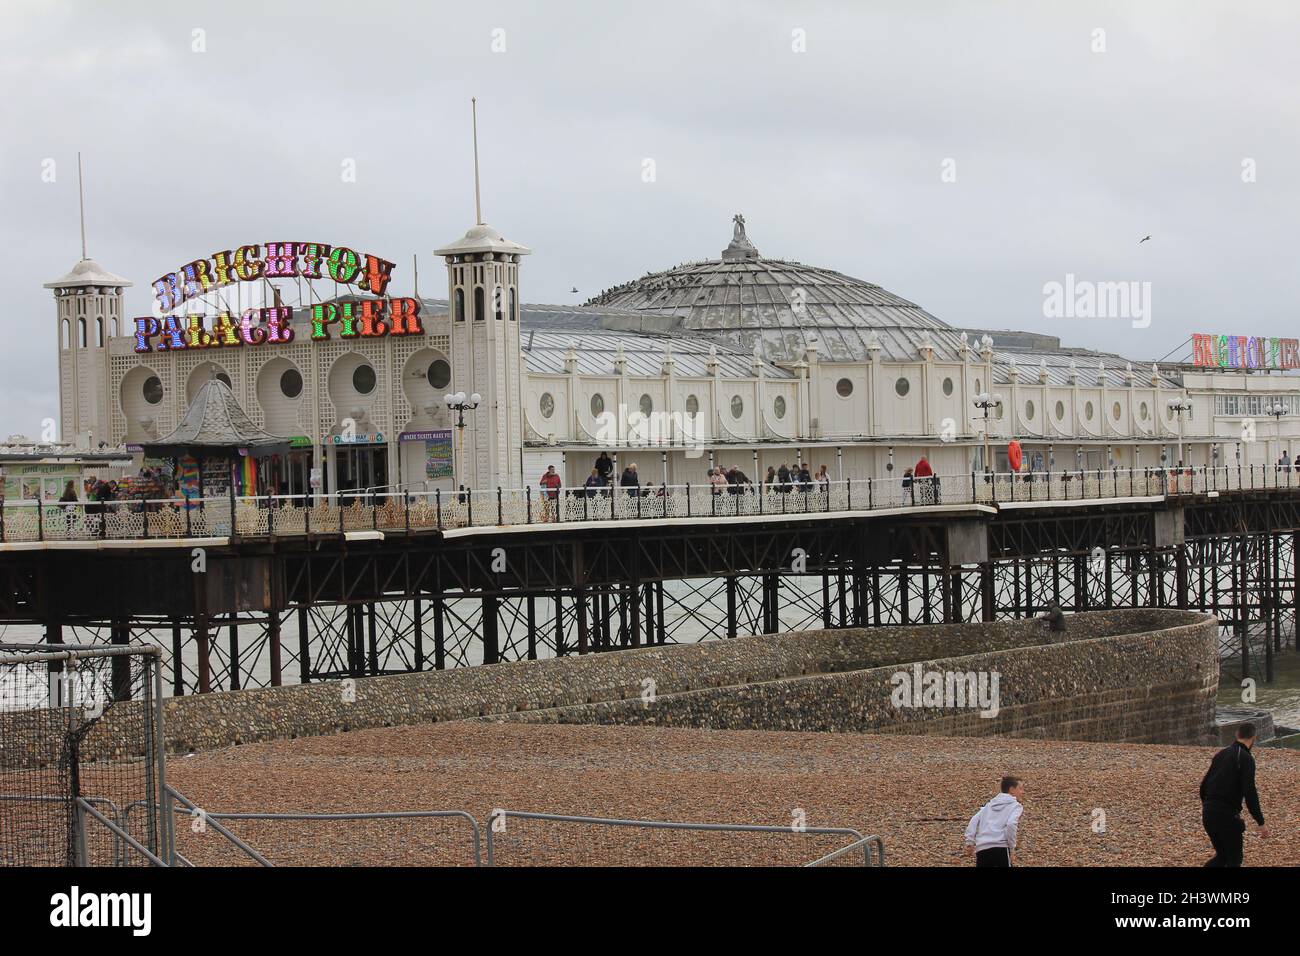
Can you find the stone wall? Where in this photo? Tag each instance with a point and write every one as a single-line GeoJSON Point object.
{"type": "Point", "coordinates": [1132, 675]}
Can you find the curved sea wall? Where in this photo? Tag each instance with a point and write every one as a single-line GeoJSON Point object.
{"type": "Point", "coordinates": [1128, 675]}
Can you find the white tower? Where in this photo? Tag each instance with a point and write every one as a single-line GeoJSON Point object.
{"type": "Point", "coordinates": [483, 297]}
{"type": "Point", "coordinates": [89, 302]}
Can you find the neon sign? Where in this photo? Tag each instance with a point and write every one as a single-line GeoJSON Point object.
{"type": "Point", "coordinates": [1241, 351]}
{"type": "Point", "coordinates": [282, 260]}
{"type": "Point", "coordinates": [367, 318]}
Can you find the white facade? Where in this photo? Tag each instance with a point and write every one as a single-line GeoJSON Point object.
{"type": "Point", "coordinates": [668, 381]}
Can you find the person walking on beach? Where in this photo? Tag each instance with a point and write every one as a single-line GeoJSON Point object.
{"type": "Point", "coordinates": [1228, 783]}
{"type": "Point", "coordinates": [991, 833]}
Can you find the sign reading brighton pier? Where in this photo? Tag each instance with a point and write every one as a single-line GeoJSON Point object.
{"type": "Point", "coordinates": [367, 318]}
{"type": "Point", "coordinates": [1241, 351]}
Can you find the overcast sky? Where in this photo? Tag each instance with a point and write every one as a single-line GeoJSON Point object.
{"type": "Point", "coordinates": [1064, 157]}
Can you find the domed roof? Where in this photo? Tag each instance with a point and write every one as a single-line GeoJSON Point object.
{"type": "Point", "coordinates": [782, 308]}
{"type": "Point", "coordinates": [89, 272]}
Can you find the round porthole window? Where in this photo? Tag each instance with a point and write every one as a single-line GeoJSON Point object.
{"type": "Point", "coordinates": [1060, 411]}
{"type": "Point", "coordinates": [439, 373]}
{"type": "Point", "coordinates": [597, 405]}
{"type": "Point", "coordinates": [844, 388]}
{"type": "Point", "coordinates": [547, 404]}
{"type": "Point", "coordinates": [363, 379]}
{"type": "Point", "coordinates": [737, 406]}
{"type": "Point", "coordinates": [692, 405]}
{"type": "Point", "coordinates": [647, 405]}
{"type": "Point", "coordinates": [947, 386]}
{"type": "Point", "coordinates": [902, 387]}
{"type": "Point", "coordinates": [153, 390]}
{"type": "Point", "coordinates": [291, 383]}
{"type": "Point", "coordinates": [1087, 410]}
{"type": "Point", "coordinates": [1029, 409]}
{"type": "Point", "coordinates": [778, 407]}
{"type": "Point", "coordinates": [1144, 411]}
{"type": "Point", "coordinates": [1116, 411]}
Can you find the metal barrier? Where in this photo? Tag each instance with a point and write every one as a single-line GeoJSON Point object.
{"type": "Point", "coordinates": [859, 844]}
{"type": "Point", "coordinates": [268, 516]}
{"type": "Point", "coordinates": [849, 852]}
{"type": "Point", "coordinates": [214, 818]}
{"type": "Point", "coordinates": [121, 837]}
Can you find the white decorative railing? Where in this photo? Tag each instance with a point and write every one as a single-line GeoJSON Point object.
{"type": "Point", "coordinates": [287, 515]}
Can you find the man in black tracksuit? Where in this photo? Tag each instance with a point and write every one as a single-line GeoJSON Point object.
{"type": "Point", "coordinates": [1229, 781]}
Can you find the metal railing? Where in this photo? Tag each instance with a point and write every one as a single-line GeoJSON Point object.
{"type": "Point", "coordinates": [346, 513]}
{"type": "Point", "coordinates": [213, 819]}
{"type": "Point", "coordinates": [498, 823]}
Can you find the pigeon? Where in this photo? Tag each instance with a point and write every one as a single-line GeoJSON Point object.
{"type": "Point", "coordinates": [1143, 239]}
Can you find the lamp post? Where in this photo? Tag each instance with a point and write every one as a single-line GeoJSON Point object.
{"type": "Point", "coordinates": [985, 402]}
{"type": "Point", "coordinates": [1277, 410]}
{"type": "Point", "coordinates": [459, 403]}
{"type": "Point", "coordinates": [1178, 406]}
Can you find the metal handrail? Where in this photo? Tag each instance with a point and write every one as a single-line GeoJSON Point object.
{"type": "Point", "coordinates": [865, 844]}
{"type": "Point", "coordinates": [501, 814]}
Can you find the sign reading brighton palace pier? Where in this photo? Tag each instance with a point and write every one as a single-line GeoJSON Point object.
{"type": "Point", "coordinates": [368, 318]}
{"type": "Point", "coordinates": [1241, 351]}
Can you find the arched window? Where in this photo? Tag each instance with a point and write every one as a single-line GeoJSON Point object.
{"type": "Point", "coordinates": [480, 310]}
{"type": "Point", "coordinates": [67, 332]}
{"type": "Point", "coordinates": [498, 302]}
{"type": "Point", "coordinates": [81, 331]}
{"type": "Point", "coordinates": [99, 331]}
{"type": "Point", "coordinates": [460, 306]}
{"type": "Point", "coordinates": [514, 306]}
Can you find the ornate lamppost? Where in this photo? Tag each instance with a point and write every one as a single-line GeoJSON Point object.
{"type": "Point", "coordinates": [459, 403]}
{"type": "Point", "coordinates": [1178, 406]}
{"type": "Point", "coordinates": [986, 402]}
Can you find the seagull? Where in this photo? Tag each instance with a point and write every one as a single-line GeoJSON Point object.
{"type": "Point", "coordinates": [1143, 239]}
{"type": "Point", "coordinates": [574, 289]}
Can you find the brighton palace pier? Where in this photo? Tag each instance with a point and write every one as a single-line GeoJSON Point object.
{"type": "Point", "coordinates": [400, 524]}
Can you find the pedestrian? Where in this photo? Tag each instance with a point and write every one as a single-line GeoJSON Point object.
{"type": "Point", "coordinates": [907, 480]}
{"type": "Point", "coordinates": [594, 483]}
{"type": "Point", "coordinates": [926, 481]}
{"type": "Point", "coordinates": [1228, 783]}
{"type": "Point", "coordinates": [823, 479]}
{"type": "Point", "coordinates": [991, 834]}
{"type": "Point", "coordinates": [718, 480]}
{"type": "Point", "coordinates": [551, 496]}
{"type": "Point", "coordinates": [630, 480]}
{"type": "Point", "coordinates": [769, 480]}
{"type": "Point", "coordinates": [604, 467]}
{"type": "Point", "coordinates": [783, 477]}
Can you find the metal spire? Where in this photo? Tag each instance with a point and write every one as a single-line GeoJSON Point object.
{"type": "Point", "coordinates": [81, 198]}
{"type": "Point", "coordinates": [478, 206]}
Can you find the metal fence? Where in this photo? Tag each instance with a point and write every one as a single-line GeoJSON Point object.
{"type": "Point", "coordinates": [288, 515]}
{"type": "Point", "coordinates": [430, 837]}
{"type": "Point", "coordinates": [604, 841]}
{"type": "Point", "coordinates": [57, 809]}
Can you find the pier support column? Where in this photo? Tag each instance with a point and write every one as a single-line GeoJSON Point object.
{"type": "Point", "coordinates": [491, 645]}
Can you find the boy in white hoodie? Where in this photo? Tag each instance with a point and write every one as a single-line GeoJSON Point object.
{"type": "Point", "coordinates": [991, 833]}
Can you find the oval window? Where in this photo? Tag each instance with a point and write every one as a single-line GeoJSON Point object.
{"type": "Point", "coordinates": [439, 373]}
{"type": "Point", "coordinates": [692, 405]}
{"type": "Point", "coordinates": [363, 379]}
{"type": "Point", "coordinates": [947, 386]}
{"type": "Point", "coordinates": [597, 405]}
{"type": "Point", "coordinates": [647, 405]}
{"type": "Point", "coordinates": [291, 383]}
{"type": "Point", "coordinates": [1029, 409]}
{"type": "Point", "coordinates": [153, 390]}
{"type": "Point", "coordinates": [737, 406]}
{"type": "Point", "coordinates": [1116, 411]}
{"type": "Point", "coordinates": [902, 386]}
{"type": "Point", "coordinates": [844, 388]}
{"type": "Point", "coordinates": [1144, 411]}
{"type": "Point", "coordinates": [1060, 411]}
{"type": "Point", "coordinates": [778, 407]}
{"type": "Point", "coordinates": [1087, 411]}
{"type": "Point", "coordinates": [547, 404]}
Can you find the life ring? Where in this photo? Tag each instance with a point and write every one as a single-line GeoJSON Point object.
{"type": "Point", "coordinates": [1014, 455]}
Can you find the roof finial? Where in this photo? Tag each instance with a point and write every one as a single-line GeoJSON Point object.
{"type": "Point", "coordinates": [478, 206]}
{"type": "Point", "coordinates": [81, 198]}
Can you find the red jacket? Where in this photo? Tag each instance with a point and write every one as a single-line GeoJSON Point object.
{"type": "Point", "coordinates": [923, 469]}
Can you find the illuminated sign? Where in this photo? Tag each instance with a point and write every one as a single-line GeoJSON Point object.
{"type": "Point", "coordinates": [1241, 351]}
{"type": "Point", "coordinates": [368, 318]}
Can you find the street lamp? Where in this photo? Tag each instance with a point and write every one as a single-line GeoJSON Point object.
{"type": "Point", "coordinates": [1178, 406]}
{"type": "Point", "coordinates": [1277, 410]}
{"type": "Point", "coordinates": [459, 403]}
{"type": "Point", "coordinates": [985, 402]}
